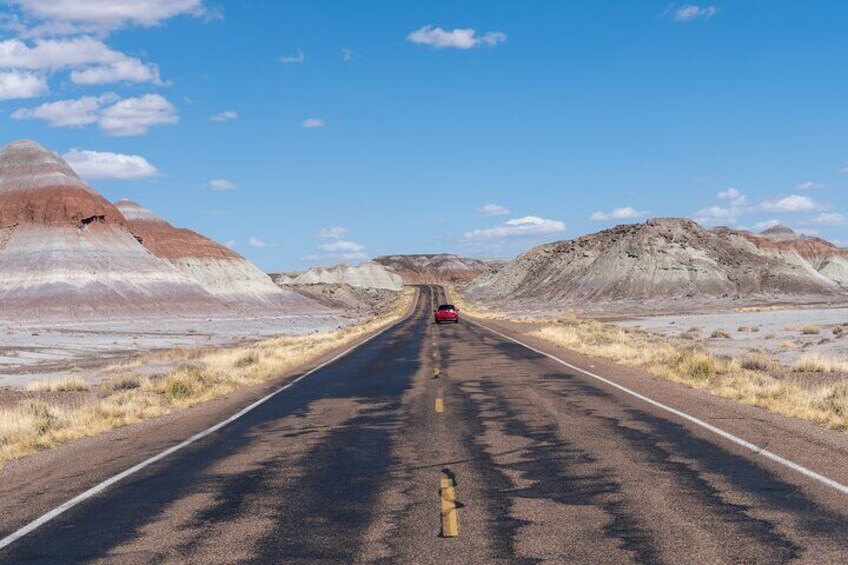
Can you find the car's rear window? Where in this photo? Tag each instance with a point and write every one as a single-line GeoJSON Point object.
{"type": "Point", "coordinates": [447, 307]}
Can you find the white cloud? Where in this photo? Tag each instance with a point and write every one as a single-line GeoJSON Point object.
{"type": "Point", "coordinates": [347, 54]}
{"type": "Point", "coordinates": [22, 84]}
{"type": "Point", "coordinates": [625, 213]}
{"type": "Point", "coordinates": [102, 16]}
{"type": "Point", "coordinates": [225, 116]}
{"type": "Point", "coordinates": [67, 113]}
{"type": "Point", "coordinates": [311, 123]}
{"type": "Point", "coordinates": [458, 38]}
{"type": "Point", "coordinates": [717, 215]}
{"type": "Point", "coordinates": [762, 226]}
{"type": "Point", "coordinates": [844, 170]}
{"type": "Point", "coordinates": [335, 232]}
{"type": "Point", "coordinates": [494, 210]}
{"type": "Point", "coordinates": [92, 61]}
{"type": "Point", "coordinates": [691, 12]}
{"type": "Point", "coordinates": [792, 203]}
{"type": "Point", "coordinates": [735, 197]}
{"type": "Point", "coordinates": [230, 244]}
{"type": "Point", "coordinates": [114, 116]}
{"type": "Point", "coordinates": [127, 70]}
{"type": "Point", "coordinates": [96, 165]}
{"type": "Point", "coordinates": [260, 244]}
{"type": "Point", "coordinates": [341, 246]}
{"type": "Point", "coordinates": [297, 57]}
{"type": "Point", "coordinates": [342, 250]}
{"type": "Point", "coordinates": [220, 185]}
{"type": "Point", "coordinates": [808, 185]}
{"type": "Point", "coordinates": [528, 225]}
{"type": "Point", "coordinates": [57, 54]}
{"type": "Point", "coordinates": [134, 116]}
{"type": "Point", "coordinates": [831, 219]}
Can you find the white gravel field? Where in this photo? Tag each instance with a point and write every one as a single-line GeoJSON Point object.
{"type": "Point", "coordinates": [777, 332]}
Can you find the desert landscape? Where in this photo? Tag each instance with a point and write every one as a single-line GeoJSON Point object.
{"type": "Point", "coordinates": [97, 293]}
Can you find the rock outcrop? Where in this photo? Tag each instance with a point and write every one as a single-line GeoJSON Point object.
{"type": "Point", "coordinates": [221, 271]}
{"type": "Point", "coordinates": [655, 264]}
{"type": "Point", "coordinates": [366, 275]}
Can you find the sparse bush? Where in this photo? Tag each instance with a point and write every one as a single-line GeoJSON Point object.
{"type": "Point", "coordinates": [743, 329]}
{"type": "Point", "coordinates": [65, 384]}
{"type": "Point", "coordinates": [757, 361]}
{"type": "Point", "coordinates": [810, 329]}
{"type": "Point", "coordinates": [692, 334]}
{"type": "Point", "coordinates": [816, 363]}
{"type": "Point", "coordinates": [720, 334]}
{"type": "Point", "coordinates": [838, 329]}
{"type": "Point", "coordinates": [246, 360]}
{"type": "Point", "coordinates": [121, 381]}
{"type": "Point", "coordinates": [836, 400]}
{"type": "Point", "coordinates": [755, 329]}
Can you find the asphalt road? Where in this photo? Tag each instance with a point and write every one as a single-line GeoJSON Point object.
{"type": "Point", "coordinates": [346, 466]}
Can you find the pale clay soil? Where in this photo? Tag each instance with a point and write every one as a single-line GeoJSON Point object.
{"type": "Point", "coordinates": [30, 352]}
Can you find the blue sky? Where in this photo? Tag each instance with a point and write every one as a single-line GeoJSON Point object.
{"type": "Point", "coordinates": [314, 132]}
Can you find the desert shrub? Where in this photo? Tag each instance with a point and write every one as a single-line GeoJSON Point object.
{"type": "Point", "coordinates": [757, 361]}
{"type": "Point", "coordinates": [691, 334]}
{"type": "Point", "coordinates": [121, 381]}
{"type": "Point", "coordinates": [810, 329]}
{"type": "Point", "coordinates": [836, 401]}
{"type": "Point", "coordinates": [720, 334]}
{"type": "Point", "coordinates": [838, 329]}
{"type": "Point", "coordinates": [816, 363]}
{"type": "Point", "coordinates": [755, 329]}
{"type": "Point", "coordinates": [246, 360]}
{"type": "Point", "coordinates": [743, 329]}
{"type": "Point", "coordinates": [65, 384]}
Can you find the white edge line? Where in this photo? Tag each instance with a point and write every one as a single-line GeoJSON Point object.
{"type": "Point", "coordinates": [718, 431]}
{"type": "Point", "coordinates": [97, 489]}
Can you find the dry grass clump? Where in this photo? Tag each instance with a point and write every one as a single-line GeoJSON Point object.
{"type": "Point", "coordinates": [838, 329]}
{"type": "Point", "coordinates": [121, 381]}
{"type": "Point", "coordinates": [720, 334]}
{"type": "Point", "coordinates": [64, 384]}
{"type": "Point", "coordinates": [810, 329]}
{"type": "Point", "coordinates": [743, 329]}
{"type": "Point", "coordinates": [692, 334]}
{"type": "Point", "coordinates": [759, 361]}
{"type": "Point", "coordinates": [816, 363]}
{"type": "Point", "coordinates": [198, 376]}
{"type": "Point", "coordinates": [746, 379]}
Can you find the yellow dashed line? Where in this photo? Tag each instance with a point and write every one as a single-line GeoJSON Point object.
{"type": "Point", "coordinates": [450, 522]}
{"type": "Point", "coordinates": [440, 405]}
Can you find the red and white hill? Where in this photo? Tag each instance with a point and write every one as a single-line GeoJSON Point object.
{"type": "Point", "coordinates": [219, 270]}
{"type": "Point", "coordinates": [66, 252]}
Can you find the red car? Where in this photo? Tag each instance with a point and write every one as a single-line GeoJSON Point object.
{"type": "Point", "coordinates": [447, 313]}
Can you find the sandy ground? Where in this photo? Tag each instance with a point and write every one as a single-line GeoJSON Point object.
{"type": "Point", "coordinates": [50, 351]}
{"type": "Point", "coordinates": [776, 332]}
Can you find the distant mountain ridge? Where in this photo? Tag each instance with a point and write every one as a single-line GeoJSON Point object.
{"type": "Point", "coordinates": [365, 275]}
{"type": "Point", "coordinates": [434, 268]}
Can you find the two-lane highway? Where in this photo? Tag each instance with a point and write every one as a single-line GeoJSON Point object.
{"type": "Point", "coordinates": [347, 466]}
